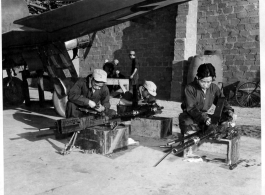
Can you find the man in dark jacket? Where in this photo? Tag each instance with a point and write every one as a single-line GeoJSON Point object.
{"type": "Point", "coordinates": [145, 95]}
{"type": "Point", "coordinates": [134, 68]}
{"type": "Point", "coordinates": [90, 92]}
{"type": "Point", "coordinates": [134, 73]}
{"type": "Point", "coordinates": [199, 97]}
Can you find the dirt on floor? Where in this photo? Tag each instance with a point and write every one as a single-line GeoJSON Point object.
{"type": "Point", "coordinates": [35, 166]}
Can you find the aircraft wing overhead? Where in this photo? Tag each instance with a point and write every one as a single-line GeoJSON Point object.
{"type": "Point", "coordinates": [19, 37]}
{"type": "Point", "coordinates": [87, 16]}
{"type": "Point", "coordinates": [75, 13]}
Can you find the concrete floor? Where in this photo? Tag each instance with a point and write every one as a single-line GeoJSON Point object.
{"type": "Point", "coordinates": [34, 166]}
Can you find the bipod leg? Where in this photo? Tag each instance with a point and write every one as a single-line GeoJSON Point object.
{"type": "Point", "coordinates": [70, 145]}
{"type": "Point", "coordinates": [114, 126]}
{"type": "Point", "coordinates": [163, 158]}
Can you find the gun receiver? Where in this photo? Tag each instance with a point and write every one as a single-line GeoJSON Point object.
{"type": "Point", "coordinates": [64, 126]}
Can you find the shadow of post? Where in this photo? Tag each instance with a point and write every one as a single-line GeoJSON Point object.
{"type": "Point", "coordinates": [179, 79]}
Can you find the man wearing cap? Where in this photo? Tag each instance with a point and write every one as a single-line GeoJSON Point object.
{"type": "Point", "coordinates": [146, 94]}
{"type": "Point", "coordinates": [134, 72]}
{"type": "Point", "coordinates": [134, 69]}
{"type": "Point", "coordinates": [89, 92]}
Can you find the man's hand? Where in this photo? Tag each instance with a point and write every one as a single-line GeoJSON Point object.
{"type": "Point", "coordinates": [100, 108]}
{"type": "Point", "coordinates": [131, 76]}
{"type": "Point", "coordinates": [230, 113]}
{"type": "Point", "coordinates": [208, 121]}
{"type": "Point", "coordinates": [91, 104]}
{"type": "Point", "coordinates": [141, 102]}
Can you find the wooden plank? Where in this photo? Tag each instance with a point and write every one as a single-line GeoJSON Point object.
{"type": "Point", "coordinates": [124, 82]}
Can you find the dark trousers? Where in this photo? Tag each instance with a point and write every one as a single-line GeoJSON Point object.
{"type": "Point", "coordinates": [186, 123]}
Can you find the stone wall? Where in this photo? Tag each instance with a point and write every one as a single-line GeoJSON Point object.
{"type": "Point", "coordinates": [233, 28]}
{"type": "Point", "coordinates": [150, 36]}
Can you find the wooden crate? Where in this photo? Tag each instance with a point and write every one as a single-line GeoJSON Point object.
{"type": "Point", "coordinates": [223, 150]}
{"type": "Point", "coordinates": [106, 140]}
{"type": "Point", "coordinates": [155, 127]}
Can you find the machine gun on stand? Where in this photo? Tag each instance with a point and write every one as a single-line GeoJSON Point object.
{"type": "Point", "coordinates": [75, 125]}
{"type": "Point", "coordinates": [214, 131]}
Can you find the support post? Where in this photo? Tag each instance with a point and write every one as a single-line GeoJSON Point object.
{"type": "Point", "coordinates": [41, 87]}
{"type": "Point", "coordinates": [25, 75]}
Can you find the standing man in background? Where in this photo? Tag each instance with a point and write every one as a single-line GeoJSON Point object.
{"type": "Point", "coordinates": [134, 75]}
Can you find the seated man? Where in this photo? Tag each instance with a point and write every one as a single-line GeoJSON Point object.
{"type": "Point", "coordinates": [90, 92]}
{"type": "Point", "coordinates": [145, 95]}
{"type": "Point", "coordinates": [199, 97]}
{"type": "Point", "coordinates": [116, 71]}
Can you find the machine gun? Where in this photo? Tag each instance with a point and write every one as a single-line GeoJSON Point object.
{"type": "Point", "coordinates": [69, 125]}
{"type": "Point", "coordinates": [214, 131]}
{"type": "Point", "coordinates": [75, 125]}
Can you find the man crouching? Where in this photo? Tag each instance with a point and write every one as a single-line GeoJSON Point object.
{"type": "Point", "coordinates": [91, 93]}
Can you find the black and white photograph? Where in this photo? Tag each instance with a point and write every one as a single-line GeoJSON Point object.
{"type": "Point", "coordinates": [132, 97]}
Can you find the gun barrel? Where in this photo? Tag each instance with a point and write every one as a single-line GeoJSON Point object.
{"type": "Point", "coordinates": [164, 146]}
{"type": "Point", "coordinates": [182, 139]}
{"type": "Point", "coordinates": [178, 150]}
{"type": "Point", "coordinates": [47, 128]}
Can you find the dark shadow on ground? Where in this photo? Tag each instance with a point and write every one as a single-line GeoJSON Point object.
{"type": "Point", "coordinates": [36, 122]}
{"type": "Point", "coordinates": [46, 109]}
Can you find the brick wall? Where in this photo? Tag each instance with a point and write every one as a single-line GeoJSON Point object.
{"type": "Point", "coordinates": [161, 42]}
{"type": "Point", "coordinates": [233, 28]}
{"type": "Point", "coordinates": [151, 36]}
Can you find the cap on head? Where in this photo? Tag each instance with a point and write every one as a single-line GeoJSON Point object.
{"type": "Point", "coordinates": [132, 52]}
{"type": "Point", "coordinates": [151, 87]}
{"type": "Point", "coordinates": [116, 61]}
{"type": "Point", "coordinates": [206, 70]}
{"type": "Point", "coordinates": [100, 75]}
